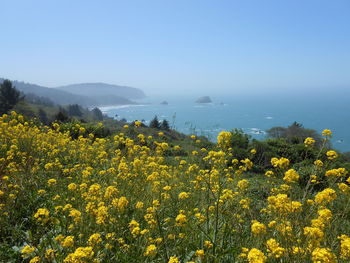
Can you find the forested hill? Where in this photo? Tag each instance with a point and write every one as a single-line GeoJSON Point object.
{"type": "Point", "coordinates": [63, 96]}
{"type": "Point", "coordinates": [97, 89]}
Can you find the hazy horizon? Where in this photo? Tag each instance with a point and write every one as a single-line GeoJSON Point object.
{"type": "Point", "coordinates": [214, 91]}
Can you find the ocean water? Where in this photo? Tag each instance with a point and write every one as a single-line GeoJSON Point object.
{"type": "Point", "coordinates": [253, 114]}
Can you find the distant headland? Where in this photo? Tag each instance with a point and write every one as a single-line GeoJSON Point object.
{"type": "Point", "coordinates": [84, 94]}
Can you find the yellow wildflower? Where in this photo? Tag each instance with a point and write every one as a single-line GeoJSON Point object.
{"type": "Point", "coordinates": [318, 163]}
{"type": "Point", "coordinates": [258, 228]}
{"type": "Point", "coordinates": [27, 250]}
{"type": "Point", "coordinates": [35, 260]}
{"type": "Point", "coordinates": [243, 184]}
{"type": "Point", "coordinates": [173, 260]}
{"type": "Point", "coordinates": [323, 255]}
{"type": "Point", "coordinates": [151, 250]}
{"type": "Point", "coordinates": [200, 253]}
{"type": "Point", "coordinates": [332, 155]}
{"type": "Point", "coordinates": [336, 172]}
{"type": "Point", "coordinates": [291, 176]}
{"type": "Point", "coordinates": [208, 244]}
{"type": "Point", "coordinates": [327, 132]}
{"type": "Point", "coordinates": [269, 173]}
{"type": "Point", "coordinates": [49, 254]}
{"type": "Point", "coordinates": [344, 188]}
{"type": "Point", "coordinates": [42, 215]}
{"type": "Point", "coordinates": [224, 139]}
{"type": "Point", "coordinates": [256, 256]}
{"type": "Point", "coordinates": [51, 182]}
{"type": "Point", "coordinates": [184, 195]}
{"type": "Point", "coordinates": [325, 196]}
{"type": "Point", "coordinates": [95, 239]}
{"type": "Point", "coordinates": [68, 242]}
{"type": "Point", "coordinates": [344, 246]}
{"type": "Point", "coordinates": [75, 214]}
{"type": "Point", "coordinates": [80, 255]}
{"type": "Point", "coordinates": [180, 219]}
{"type": "Point", "coordinates": [274, 248]}
{"type": "Point", "coordinates": [313, 233]}
{"type": "Point", "coordinates": [309, 142]}
{"type": "Point", "coordinates": [281, 163]}
{"type": "Point", "coordinates": [139, 205]}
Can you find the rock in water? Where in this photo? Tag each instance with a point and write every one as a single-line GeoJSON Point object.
{"type": "Point", "coordinates": [204, 99]}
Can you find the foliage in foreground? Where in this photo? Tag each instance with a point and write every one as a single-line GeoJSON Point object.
{"type": "Point", "coordinates": [9, 96]}
{"type": "Point", "coordinates": [118, 199]}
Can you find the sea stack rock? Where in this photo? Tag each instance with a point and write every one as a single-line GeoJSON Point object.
{"type": "Point", "coordinates": [204, 99]}
{"type": "Point", "coordinates": [164, 102]}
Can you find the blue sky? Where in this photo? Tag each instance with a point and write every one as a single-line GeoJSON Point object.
{"type": "Point", "coordinates": [178, 46]}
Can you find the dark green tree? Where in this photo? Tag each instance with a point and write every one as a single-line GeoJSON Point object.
{"type": "Point", "coordinates": [277, 132]}
{"type": "Point", "coordinates": [74, 110]}
{"type": "Point", "coordinates": [239, 143]}
{"type": "Point", "coordinates": [165, 125]}
{"type": "Point", "coordinates": [61, 116]}
{"type": "Point", "coordinates": [43, 116]}
{"type": "Point", "coordinates": [97, 113]}
{"type": "Point", "coordinates": [154, 123]}
{"type": "Point", "coordinates": [239, 139]}
{"type": "Point", "coordinates": [9, 96]}
{"type": "Point", "coordinates": [294, 133]}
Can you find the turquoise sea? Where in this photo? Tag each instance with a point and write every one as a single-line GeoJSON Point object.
{"type": "Point", "coordinates": [254, 114]}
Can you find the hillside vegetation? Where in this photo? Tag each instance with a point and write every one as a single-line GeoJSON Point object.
{"type": "Point", "coordinates": [78, 187]}
{"type": "Point", "coordinates": [70, 193]}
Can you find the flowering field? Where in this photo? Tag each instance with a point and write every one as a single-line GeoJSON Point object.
{"type": "Point", "coordinates": [122, 199]}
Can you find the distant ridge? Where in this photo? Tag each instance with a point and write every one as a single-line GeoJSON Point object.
{"type": "Point", "coordinates": [101, 97]}
{"type": "Point", "coordinates": [57, 96]}
{"type": "Point", "coordinates": [98, 89]}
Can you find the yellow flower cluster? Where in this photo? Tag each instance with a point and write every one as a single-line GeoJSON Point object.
{"type": "Point", "coordinates": [281, 163]}
{"type": "Point", "coordinates": [332, 155]}
{"type": "Point", "coordinates": [327, 132]}
{"type": "Point", "coordinates": [173, 260]}
{"type": "Point", "coordinates": [344, 246]}
{"type": "Point", "coordinates": [309, 142]}
{"type": "Point", "coordinates": [274, 249]}
{"type": "Point", "coordinates": [138, 123]}
{"type": "Point", "coordinates": [42, 215]}
{"type": "Point", "coordinates": [256, 256]}
{"type": "Point", "coordinates": [282, 204]}
{"type": "Point", "coordinates": [291, 176]}
{"type": "Point", "coordinates": [27, 250]}
{"type": "Point", "coordinates": [224, 139]}
{"type": "Point", "coordinates": [151, 250]}
{"type": "Point", "coordinates": [325, 196]}
{"type": "Point", "coordinates": [258, 228]}
{"type": "Point", "coordinates": [336, 172]}
{"type": "Point", "coordinates": [323, 255]}
{"type": "Point", "coordinates": [80, 255]}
